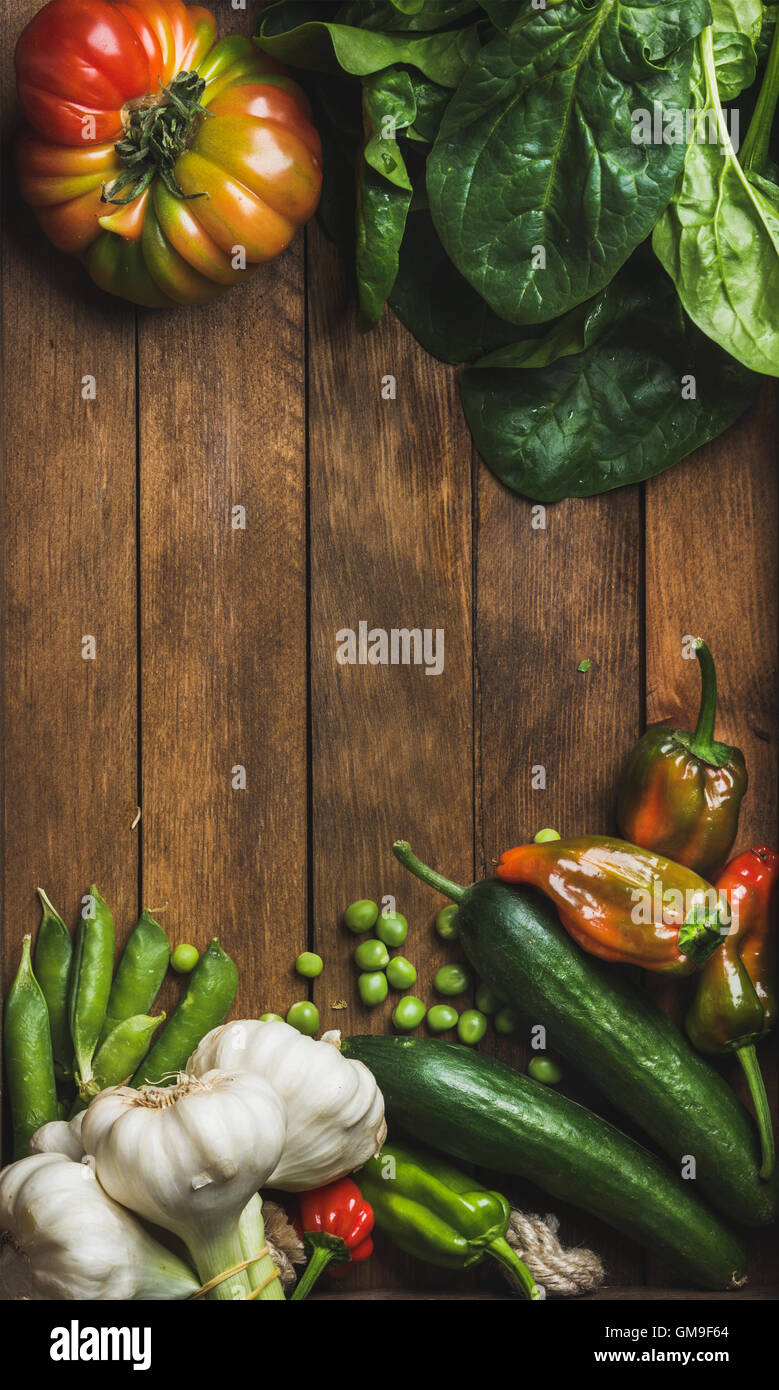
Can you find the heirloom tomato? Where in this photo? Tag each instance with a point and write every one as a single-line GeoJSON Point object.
{"type": "Point", "coordinates": [171, 162]}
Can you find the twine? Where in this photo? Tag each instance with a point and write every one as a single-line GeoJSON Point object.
{"type": "Point", "coordinates": [236, 1269]}
{"type": "Point", "coordinates": [561, 1271]}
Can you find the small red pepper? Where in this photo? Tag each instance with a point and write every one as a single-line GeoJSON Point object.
{"type": "Point", "coordinates": [621, 902]}
{"type": "Point", "coordinates": [734, 1005]}
{"type": "Point", "coordinates": [336, 1223]}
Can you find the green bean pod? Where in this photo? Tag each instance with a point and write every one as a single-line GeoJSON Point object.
{"type": "Point", "coordinates": [53, 957]}
{"type": "Point", "coordinates": [93, 966]}
{"type": "Point", "coordinates": [119, 1056]}
{"type": "Point", "coordinates": [29, 1061]}
{"type": "Point", "coordinates": [139, 974]}
{"type": "Point", "coordinates": [206, 1004]}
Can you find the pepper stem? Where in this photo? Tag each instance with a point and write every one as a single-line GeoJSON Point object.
{"type": "Point", "coordinates": [402, 850]}
{"type": "Point", "coordinates": [503, 1253]}
{"type": "Point", "coordinates": [747, 1056]}
{"type": "Point", "coordinates": [703, 739]}
{"type": "Point", "coordinates": [320, 1258]}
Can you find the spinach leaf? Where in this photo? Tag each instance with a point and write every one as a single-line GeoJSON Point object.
{"type": "Point", "coordinates": [344, 48]}
{"type": "Point", "coordinates": [440, 308]}
{"type": "Point", "coordinates": [538, 186]}
{"type": "Point", "coordinates": [431, 101]}
{"type": "Point", "coordinates": [417, 17]}
{"type": "Point", "coordinates": [719, 239]}
{"type": "Point", "coordinates": [383, 190]}
{"type": "Point", "coordinates": [604, 404]}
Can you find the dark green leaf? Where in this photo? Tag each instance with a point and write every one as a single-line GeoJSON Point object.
{"type": "Point", "coordinates": [540, 184]}
{"type": "Point", "coordinates": [440, 308]}
{"type": "Point", "coordinates": [613, 411]}
{"type": "Point", "coordinates": [383, 190]}
{"type": "Point", "coordinates": [333, 48]}
{"type": "Point", "coordinates": [419, 17]}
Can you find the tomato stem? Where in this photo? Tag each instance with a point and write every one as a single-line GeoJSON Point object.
{"type": "Point", "coordinates": [156, 134]}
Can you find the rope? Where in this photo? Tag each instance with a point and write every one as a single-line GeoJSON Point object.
{"type": "Point", "coordinates": [561, 1271]}
{"type": "Point", "coordinates": [236, 1269]}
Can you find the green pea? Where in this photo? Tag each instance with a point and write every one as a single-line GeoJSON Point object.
{"type": "Point", "coordinates": [271, 1018]}
{"type": "Point", "coordinates": [506, 1022]}
{"type": "Point", "coordinates": [446, 924]}
{"type": "Point", "coordinates": [309, 965]}
{"type": "Point", "coordinates": [90, 982]}
{"type": "Point", "coordinates": [185, 957]}
{"type": "Point", "coordinates": [119, 1056]}
{"type": "Point", "coordinates": [371, 954]}
{"type": "Point", "coordinates": [373, 987]}
{"type": "Point", "coordinates": [361, 916]}
{"type": "Point", "coordinates": [452, 979]}
{"type": "Point", "coordinates": [545, 1070]}
{"type": "Point", "coordinates": [210, 991]}
{"type": "Point", "coordinates": [305, 1017]}
{"type": "Point", "coordinates": [29, 1061]}
{"type": "Point", "coordinates": [392, 930]}
{"type": "Point", "coordinates": [401, 973]}
{"type": "Point", "coordinates": [544, 836]}
{"type": "Point", "coordinates": [471, 1026]}
{"type": "Point", "coordinates": [408, 1013]}
{"type": "Point", "coordinates": [487, 1000]}
{"type": "Point", "coordinates": [139, 974]}
{"type": "Point", "coordinates": [441, 1018]}
{"type": "Point", "coordinates": [53, 954]}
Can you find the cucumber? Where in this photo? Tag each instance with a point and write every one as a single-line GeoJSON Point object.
{"type": "Point", "coordinates": [614, 1034]}
{"type": "Point", "coordinates": [480, 1110]}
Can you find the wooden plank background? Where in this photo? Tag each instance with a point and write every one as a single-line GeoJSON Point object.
{"type": "Point", "coordinates": [215, 647]}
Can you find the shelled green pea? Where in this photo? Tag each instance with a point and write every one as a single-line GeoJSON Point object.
{"type": "Point", "coordinates": [408, 1013]}
{"type": "Point", "coordinates": [505, 1022]}
{"type": "Point", "coordinates": [471, 1026]}
{"type": "Point", "coordinates": [392, 929]}
{"type": "Point", "coordinates": [452, 979]}
{"type": "Point", "coordinates": [544, 1069]}
{"type": "Point", "coordinates": [401, 973]}
{"type": "Point", "coordinates": [361, 915]}
{"type": "Point", "coordinates": [309, 965]}
{"type": "Point", "coordinates": [446, 924]}
{"type": "Point", "coordinates": [371, 955]}
{"type": "Point", "coordinates": [305, 1017]}
{"type": "Point", "coordinates": [441, 1018]}
{"type": "Point", "coordinates": [373, 987]}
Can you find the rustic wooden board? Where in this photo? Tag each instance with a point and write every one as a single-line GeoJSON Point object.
{"type": "Point", "coordinates": [554, 587]}
{"type": "Point", "coordinates": [68, 535]}
{"type": "Point", "coordinates": [390, 545]}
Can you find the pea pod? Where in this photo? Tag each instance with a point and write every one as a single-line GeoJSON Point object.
{"type": "Point", "coordinates": [29, 1061]}
{"type": "Point", "coordinates": [206, 1004]}
{"type": "Point", "coordinates": [120, 1055]}
{"type": "Point", "coordinates": [93, 965]}
{"type": "Point", "coordinates": [53, 958]}
{"type": "Point", "coordinates": [139, 974]}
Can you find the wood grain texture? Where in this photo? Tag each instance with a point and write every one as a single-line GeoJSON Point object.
{"type": "Point", "coordinates": [68, 540]}
{"type": "Point", "coordinates": [390, 545]}
{"type": "Point", "coordinates": [548, 598]}
{"type": "Point", "coordinates": [223, 622]}
{"type": "Point", "coordinates": [711, 571]}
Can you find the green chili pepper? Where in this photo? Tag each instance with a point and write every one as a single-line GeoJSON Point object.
{"type": "Point", "coordinates": [119, 1056]}
{"type": "Point", "coordinates": [53, 957]}
{"type": "Point", "coordinates": [210, 992]}
{"type": "Point", "coordinates": [29, 1061]}
{"type": "Point", "coordinates": [90, 985]}
{"type": "Point", "coordinates": [439, 1215]}
{"type": "Point", "coordinates": [139, 974]}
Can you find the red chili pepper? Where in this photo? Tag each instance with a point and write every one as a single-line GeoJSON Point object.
{"type": "Point", "coordinates": [336, 1222]}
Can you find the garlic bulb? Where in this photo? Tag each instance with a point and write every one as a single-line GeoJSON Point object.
{"type": "Point", "coordinates": [79, 1243]}
{"type": "Point", "coordinates": [188, 1158]}
{"type": "Point", "coordinates": [335, 1110]}
{"type": "Point", "coordinates": [59, 1137]}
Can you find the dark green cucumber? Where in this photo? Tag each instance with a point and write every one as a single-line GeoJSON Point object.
{"type": "Point", "coordinates": [617, 1036]}
{"type": "Point", "coordinates": [480, 1110]}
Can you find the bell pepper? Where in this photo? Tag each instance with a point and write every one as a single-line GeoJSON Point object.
{"type": "Point", "coordinates": [623, 903]}
{"type": "Point", "coordinates": [439, 1215]}
{"type": "Point", "coordinates": [336, 1223]}
{"type": "Point", "coordinates": [681, 792]}
{"type": "Point", "coordinates": [735, 1003]}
